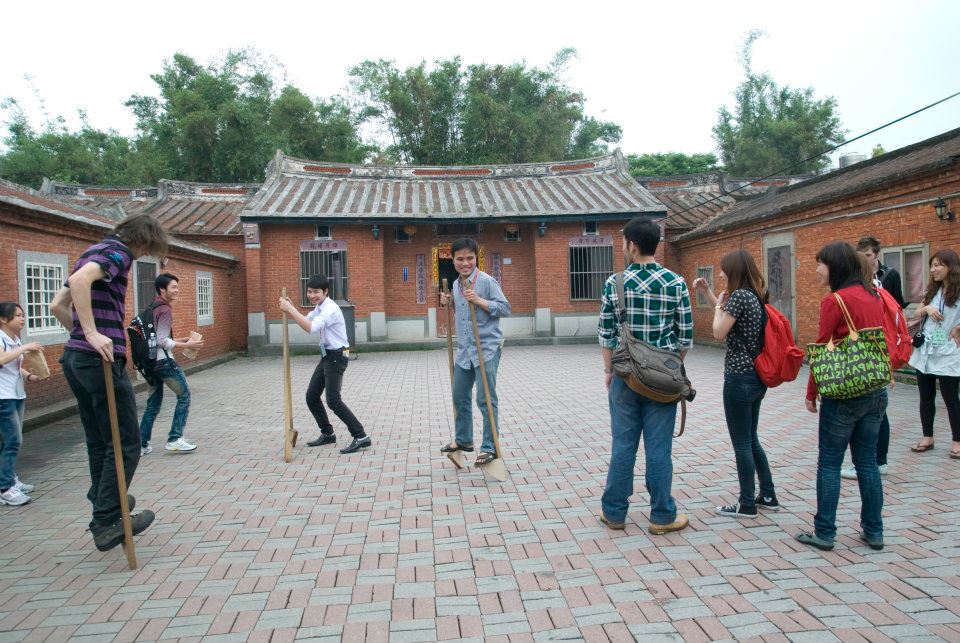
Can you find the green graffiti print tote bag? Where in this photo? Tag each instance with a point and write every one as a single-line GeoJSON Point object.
{"type": "Point", "coordinates": [855, 365]}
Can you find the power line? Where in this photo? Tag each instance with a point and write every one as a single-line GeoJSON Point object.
{"type": "Point", "coordinates": [828, 151]}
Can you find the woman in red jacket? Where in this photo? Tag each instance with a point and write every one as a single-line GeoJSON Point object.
{"type": "Point", "coordinates": [854, 421]}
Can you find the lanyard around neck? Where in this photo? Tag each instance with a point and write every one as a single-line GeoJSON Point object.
{"type": "Point", "coordinates": [475, 277]}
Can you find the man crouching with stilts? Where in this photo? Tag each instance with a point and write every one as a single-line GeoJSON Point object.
{"type": "Point", "coordinates": [480, 289]}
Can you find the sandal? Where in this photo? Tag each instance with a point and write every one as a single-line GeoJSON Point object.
{"type": "Point", "coordinates": [485, 457]}
{"type": "Point", "coordinates": [955, 455]}
{"type": "Point", "coordinates": [453, 447]}
{"type": "Point", "coordinates": [920, 448]}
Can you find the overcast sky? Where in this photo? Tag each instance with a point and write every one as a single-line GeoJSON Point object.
{"type": "Point", "coordinates": [659, 71]}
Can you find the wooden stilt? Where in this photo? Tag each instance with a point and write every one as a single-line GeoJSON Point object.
{"type": "Point", "coordinates": [289, 434]}
{"type": "Point", "coordinates": [457, 457]}
{"type": "Point", "coordinates": [128, 546]}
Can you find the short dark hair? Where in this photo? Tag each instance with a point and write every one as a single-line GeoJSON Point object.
{"type": "Point", "coordinates": [844, 265]}
{"type": "Point", "coordinates": [145, 233]}
{"type": "Point", "coordinates": [643, 232]}
{"type": "Point", "coordinates": [8, 309]}
{"type": "Point", "coordinates": [318, 282]}
{"type": "Point", "coordinates": [163, 280]}
{"type": "Point", "coordinates": [464, 244]}
{"type": "Point", "coordinates": [869, 243]}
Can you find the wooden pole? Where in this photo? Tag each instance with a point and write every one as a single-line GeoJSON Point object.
{"type": "Point", "coordinates": [289, 435]}
{"type": "Point", "coordinates": [495, 468]}
{"type": "Point", "coordinates": [456, 457]}
{"type": "Point", "coordinates": [118, 458]}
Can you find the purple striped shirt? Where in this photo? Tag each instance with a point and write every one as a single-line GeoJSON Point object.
{"type": "Point", "coordinates": [107, 295]}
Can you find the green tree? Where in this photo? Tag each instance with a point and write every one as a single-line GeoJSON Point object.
{"type": "Point", "coordinates": [449, 114]}
{"type": "Point", "coordinates": [88, 155]}
{"type": "Point", "coordinates": [671, 163]}
{"type": "Point", "coordinates": [772, 128]}
{"type": "Point", "coordinates": [223, 122]}
{"type": "Point", "coordinates": [877, 151]}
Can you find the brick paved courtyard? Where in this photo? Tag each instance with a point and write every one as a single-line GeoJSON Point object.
{"type": "Point", "coordinates": [393, 544]}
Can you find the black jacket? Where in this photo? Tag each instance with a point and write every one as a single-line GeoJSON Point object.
{"type": "Point", "coordinates": [890, 280]}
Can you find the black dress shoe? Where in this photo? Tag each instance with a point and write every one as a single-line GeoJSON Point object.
{"type": "Point", "coordinates": [357, 444]}
{"type": "Point", "coordinates": [323, 439]}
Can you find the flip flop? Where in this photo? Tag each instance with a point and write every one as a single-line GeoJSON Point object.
{"type": "Point", "coordinates": [456, 446]}
{"type": "Point", "coordinates": [955, 455]}
{"type": "Point", "coordinates": [920, 448]}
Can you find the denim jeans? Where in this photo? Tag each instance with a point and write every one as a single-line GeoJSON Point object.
{"type": "Point", "coordinates": [742, 394]}
{"type": "Point", "coordinates": [855, 422]}
{"type": "Point", "coordinates": [883, 440]}
{"type": "Point", "coordinates": [633, 416]}
{"type": "Point", "coordinates": [927, 387]}
{"type": "Point", "coordinates": [11, 437]}
{"type": "Point", "coordinates": [169, 374]}
{"type": "Point", "coordinates": [84, 374]}
{"type": "Point", "coordinates": [464, 380]}
{"type": "Point", "coordinates": [329, 376]}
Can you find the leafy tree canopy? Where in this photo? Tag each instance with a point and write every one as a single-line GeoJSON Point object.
{"type": "Point", "coordinates": [773, 127]}
{"type": "Point", "coordinates": [451, 114]}
{"type": "Point", "coordinates": [671, 163]}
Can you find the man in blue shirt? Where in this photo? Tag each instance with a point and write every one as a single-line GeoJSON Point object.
{"type": "Point", "coordinates": [484, 292]}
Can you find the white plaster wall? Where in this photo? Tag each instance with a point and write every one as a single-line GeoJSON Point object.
{"type": "Point", "coordinates": [576, 326]}
{"type": "Point", "coordinates": [517, 326]}
{"type": "Point", "coordinates": [399, 329]}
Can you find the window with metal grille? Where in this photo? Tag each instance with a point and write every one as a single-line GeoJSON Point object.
{"type": "Point", "coordinates": [707, 273]}
{"type": "Point", "coordinates": [589, 268]}
{"type": "Point", "coordinates": [457, 229]}
{"type": "Point", "coordinates": [43, 280]}
{"type": "Point", "coordinates": [204, 298]}
{"type": "Point", "coordinates": [332, 264]}
{"type": "Point", "coordinates": [145, 290]}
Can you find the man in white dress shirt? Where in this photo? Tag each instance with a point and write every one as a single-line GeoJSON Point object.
{"type": "Point", "coordinates": [326, 320]}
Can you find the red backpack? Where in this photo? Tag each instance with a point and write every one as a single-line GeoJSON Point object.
{"type": "Point", "coordinates": [899, 342]}
{"type": "Point", "coordinates": [780, 359]}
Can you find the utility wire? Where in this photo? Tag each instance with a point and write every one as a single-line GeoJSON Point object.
{"type": "Point", "coordinates": [835, 147]}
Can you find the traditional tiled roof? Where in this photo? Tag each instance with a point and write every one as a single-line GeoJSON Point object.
{"type": "Point", "coordinates": [598, 187]}
{"type": "Point", "coordinates": [694, 199]}
{"type": "Point", "coordinates": [27, 198]}
{"type": "Point", "coordinates": [182, 207]}
{"type": "Point", "coordinates": [941, 151]}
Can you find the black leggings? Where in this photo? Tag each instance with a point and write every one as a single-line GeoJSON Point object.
{"type": "Point", "coordinates": [927, 385]}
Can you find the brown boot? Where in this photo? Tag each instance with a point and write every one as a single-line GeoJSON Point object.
{"type": "Point", "coordinates": [678, 524]}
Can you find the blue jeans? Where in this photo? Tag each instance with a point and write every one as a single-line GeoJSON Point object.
{"type": "Point", "coordinates": [855, 422]}
{"type": "Point", "coordinates": [11, 434]}
{"type": "Point", "coordinates": [633, 416]}
{"type": "Point", "coordinates": [742, 394]}
{"type": "Point", "coordinates": [464, 380]}
{"type": "Point", "coordinates": [168, 373]}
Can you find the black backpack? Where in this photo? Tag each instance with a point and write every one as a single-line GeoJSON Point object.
{"type": "Point", "coordinates": [143, 344]}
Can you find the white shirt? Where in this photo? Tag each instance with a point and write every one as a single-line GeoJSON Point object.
{"type": "Point", "coordinates": [327, 321]}
{"type": "Point", "coordinates": [939, 359]}
{"type": "Point", "coordinates": [11, 381]}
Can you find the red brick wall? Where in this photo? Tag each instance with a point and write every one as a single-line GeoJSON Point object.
{"type": "Point", "coordinates": [31, 231]}
{"type": "Point", "coordinates": [817, 226]}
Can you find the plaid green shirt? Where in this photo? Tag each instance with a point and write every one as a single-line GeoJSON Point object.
{"type": "Point", "coordinates": [658, 308]}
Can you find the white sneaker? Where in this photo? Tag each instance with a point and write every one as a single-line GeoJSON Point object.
{"type": "Point", "coordinates": [145, 450]}
{"type": "Point", "coordinates": [23, 486]}
{"type": "Point", "coordinates": [180, 445]}
{"type": "Point", "coordinates": [14, 497]}
{"type": "Point", "coordinates": [850, 473]}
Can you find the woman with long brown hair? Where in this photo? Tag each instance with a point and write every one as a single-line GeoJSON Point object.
{"type": "Point", "coordinates": [853, 422]}
{"type": "Point", "coordinates": [739, 318]}
{"type": "Point", "coordinates": [937, 359]}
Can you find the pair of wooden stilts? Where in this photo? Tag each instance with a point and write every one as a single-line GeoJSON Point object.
{"type": "Point", "coordinates": [496, 469]}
